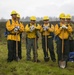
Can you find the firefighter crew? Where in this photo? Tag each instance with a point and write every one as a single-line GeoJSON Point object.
{"type": "Point", "coordinates": [12, 38]}
{"type": "Point", "coordinates": [31, 30]}
{"type": "Point", "coordinates": [71, 37]}
{"type": "Point", "coordinates": [20, 48]}
{"type": "Point", "coordinates": [47, 40]}
{"type": "Point", "coordinates": [62, 31]}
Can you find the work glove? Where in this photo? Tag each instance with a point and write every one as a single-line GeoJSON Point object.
{"type": "Point", "coordinates": [32, 28]}
{"type": "Point", "coordinates": [60, 27]}
{"type": "Point", "coordinates": [64, 27]}
{"type": "Point", "coordinates": [16, 28]}
{"type": "Point", "coordinates": [45, 28]}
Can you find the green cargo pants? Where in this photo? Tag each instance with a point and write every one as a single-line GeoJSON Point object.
{"type": "Point", "coordinates": [31, 45]}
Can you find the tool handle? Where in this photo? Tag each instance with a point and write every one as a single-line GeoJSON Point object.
{"type": "Point", "coordinates": [63, 41]}
{"type": "Point", "coordinates": [16, 45]}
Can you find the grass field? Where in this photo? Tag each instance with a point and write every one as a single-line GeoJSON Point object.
{"type": "Point", "coordinates": [24, 67]}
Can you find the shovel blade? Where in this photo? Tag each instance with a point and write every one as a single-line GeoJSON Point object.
{"type": "Point", "coordinates": [62, 64]}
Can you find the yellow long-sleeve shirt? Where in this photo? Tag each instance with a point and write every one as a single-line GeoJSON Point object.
{"type": "Point", "coordinates": [71, 37]}
{"type": "Point", "coordinates": [33, 33]}
{"type": "Point", "coordinates": [63, 34]}
{"type": "Point", "coordinates": [50, 29]}
{"type": "Point", "coordinates": [10, 27]}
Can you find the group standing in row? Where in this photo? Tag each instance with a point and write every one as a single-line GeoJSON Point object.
{"type": "Point", "coordinates": [62, 31]}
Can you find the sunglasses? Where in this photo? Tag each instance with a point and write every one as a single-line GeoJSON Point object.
{"type": "Point", "coordinates": [33, 20]}
{"type": "Point", "coordinates": [63, 19]}
{"type": "Point", "coordinates": [46, 20]}
{"type": "Point", "coordinates": [68, 19]}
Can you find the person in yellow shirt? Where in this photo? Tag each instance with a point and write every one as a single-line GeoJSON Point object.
{"type": "Point", "coordinates": [47, 40]}
{"type": "Point", "coordinates": [71, 37]}
{"type": "Point", "coordinates": [31, 30]}
{"type": "Point", "coordinates": [62, 31]}
{"type": "Point", "coordinates": [14, 30]}
{"type": "Point", "coordinates": [20, 48]}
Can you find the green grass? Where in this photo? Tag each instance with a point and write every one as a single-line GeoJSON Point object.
{"type": "Point", "coordinates": [24, 67]}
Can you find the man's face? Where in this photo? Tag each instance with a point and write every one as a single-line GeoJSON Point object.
{"type": "Point", "coordinates": [33, 21]}
{"type": "Point", "coordinates": [17, 18]}
{"type": "Point", "coordinates": [62, 20]}
{"type": "Point", "coordinates": [14, 16]}
{"type": "Point", "coordinates": [46, 21]}
{"type": "Point", "coordinates": [68, 20]}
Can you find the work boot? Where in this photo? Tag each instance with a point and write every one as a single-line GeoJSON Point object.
{"type": "Point", "coordinates": [28, 59]}
{"type": "Point", "coordinates": [36, 60]}
{"type": "Point", "coordinates": [9, 60]}
{"type": "Point", "coordinates": [54, 60]}
{"type": "Point", "coordinates": [18, 59]}
{"type": "Point", "coordinates": [46, 59]}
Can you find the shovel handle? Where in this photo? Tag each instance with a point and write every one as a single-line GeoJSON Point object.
{"type": "Point", "coordinates": [35, 49]}
{"type": "Point", "coordinates": [16, 46]}
{"type": "Point", "coordinates": [63, 42]}
{"type": "Point", "coordinates": [46, 42]}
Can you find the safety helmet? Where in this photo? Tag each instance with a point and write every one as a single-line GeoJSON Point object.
{"type": "Point", "coordinates": [68, 16]}
{"type": "Point", "coordinates": [62, 15]}
{"type": "Point", "coordinates": [45, 18]}
{"type": "Point", "coordinates": [18, 15]}
{"type": "Point", "coordinates": [32, 18]}
{"type": "Point", "coordinates": [13, 12]}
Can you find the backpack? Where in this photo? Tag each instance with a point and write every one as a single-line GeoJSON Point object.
{"type": "Point", "coordinates": [6, 31]}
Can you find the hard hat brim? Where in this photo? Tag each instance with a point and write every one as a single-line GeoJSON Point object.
{"type": "Point", "coordinates": [62, 18]}
{"type": "Point", "coordinates": [68, 17]}
{"type": "Point", "coordinates": [45, 19]}
{"type": "Point", "coordinates": [13, 14]}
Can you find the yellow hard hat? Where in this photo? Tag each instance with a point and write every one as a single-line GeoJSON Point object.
{"type": "Point", "coordinates": [68, 16]}
{"type": "Point", "coordinates": [13, 12]}
{"type": "Point", "coordinates": [45, 18]}
{"type": "Point", "coordinates": [62, 15]}
{"type": "Point", "coordinates": [32, 18]}
{"type": "Point", "coordinates": [18, 15]}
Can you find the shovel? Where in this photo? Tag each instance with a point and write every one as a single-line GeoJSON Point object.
{"type": "Point", "coordinates": [46, 58]}
{"type": "Point", "coordinates": [62, 63]}
{"type": "Point", "coordinates": [17, 58]}
{"type": "Point", "coordinates": [35, 58]}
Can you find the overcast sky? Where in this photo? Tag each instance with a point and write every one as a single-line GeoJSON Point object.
{"type": "Point", "coordinates": [39, 8]}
